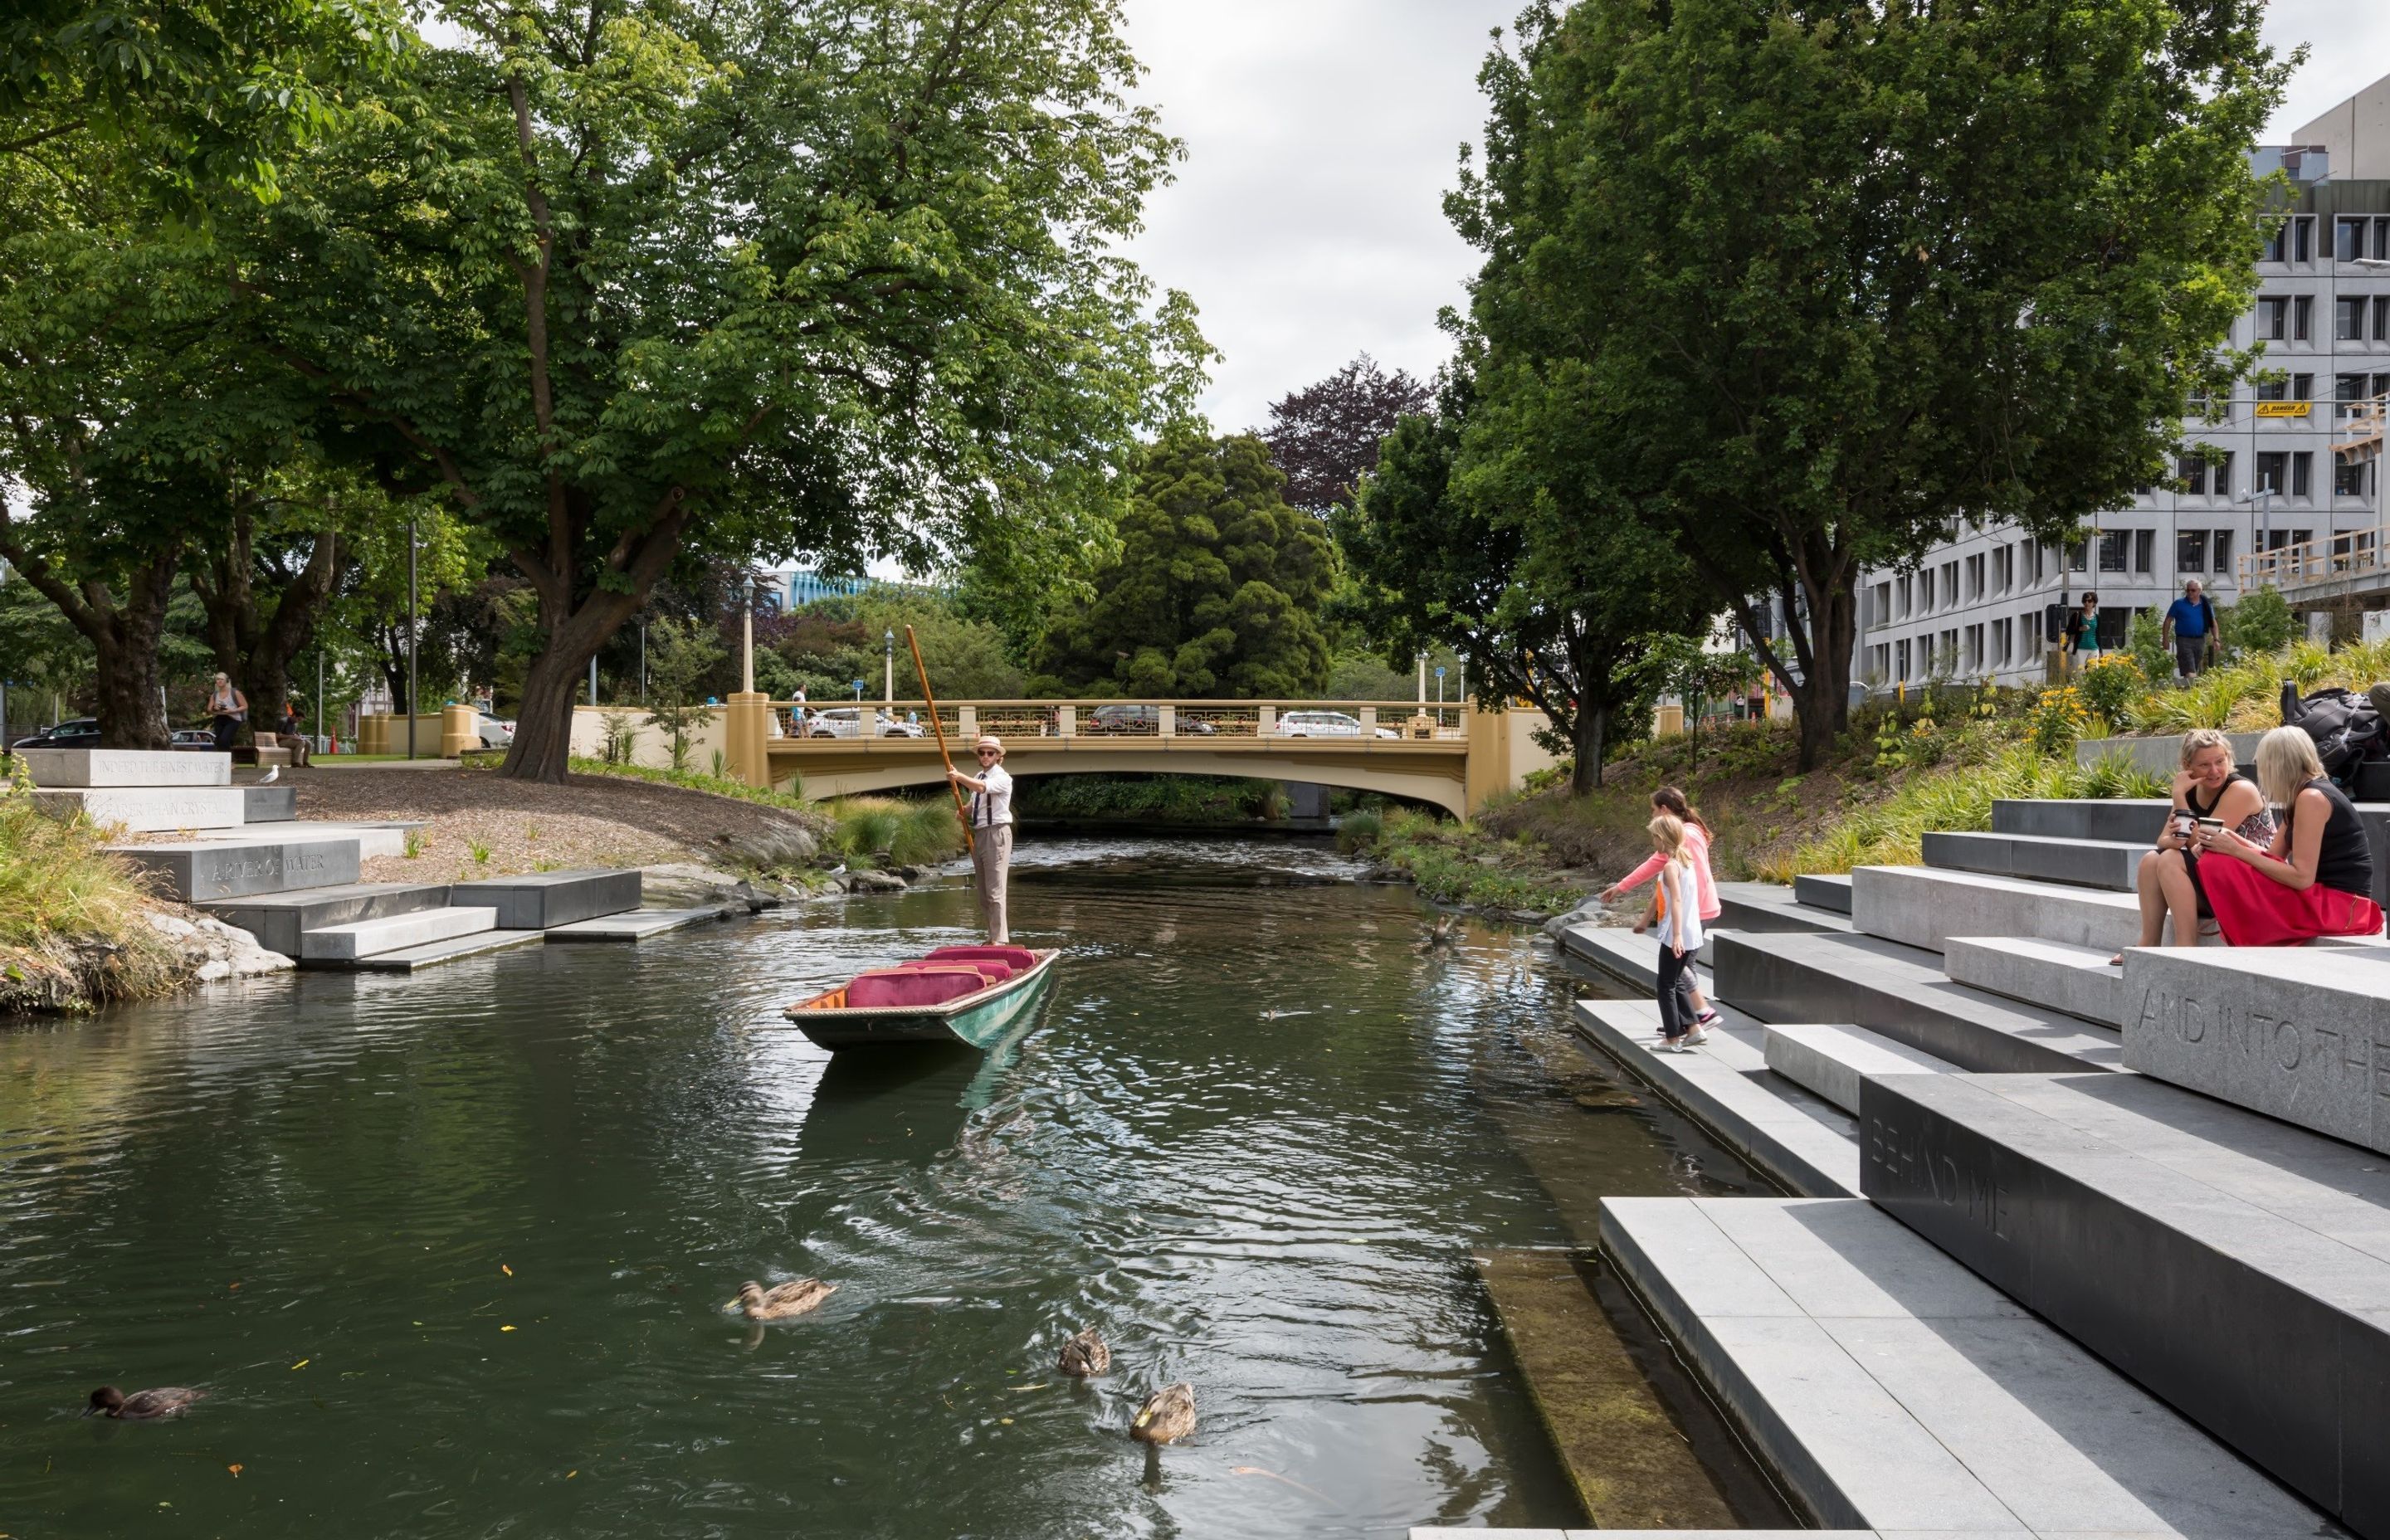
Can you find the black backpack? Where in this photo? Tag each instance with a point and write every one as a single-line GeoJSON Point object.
{"type": "Point", "coordinates": [2346, 728]}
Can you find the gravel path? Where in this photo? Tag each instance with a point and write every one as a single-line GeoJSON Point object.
{"type": "Point", "coordinates": [588, 821]}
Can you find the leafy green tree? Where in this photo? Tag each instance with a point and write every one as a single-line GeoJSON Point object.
{"type": "Point", "coordinates": [642, 283]}
{"type": "Point", "coordinates": [1325, 436]}
{"type": "Point", "coordinates": [1817, 278]}
{"type": "Point", "coordinates": [2261, 621]}
{"type": "Point", "coordinates": [1478, 532]}
{"type": "Point", "coordinates": [680, 654]}
{"type": "Point", "coordinates": [1216, 592]}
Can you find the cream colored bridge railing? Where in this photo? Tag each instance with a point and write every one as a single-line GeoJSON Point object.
{"type": "Point", "coordinates": [1452, 756]}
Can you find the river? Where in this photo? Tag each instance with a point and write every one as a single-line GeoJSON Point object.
{"type": "Point", "coordinates": [451, 1254]}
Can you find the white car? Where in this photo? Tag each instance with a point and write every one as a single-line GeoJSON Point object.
{"type": "Point", "coordinates": [849, 722]}
{"type": "Point", "coordinates": [497, 732]}
{"type": "Point", "coordinates": [1325, 724]}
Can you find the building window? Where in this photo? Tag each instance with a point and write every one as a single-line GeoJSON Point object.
{"type": "Point", "coordinates": [2348, 240]}
{"type": "Point", "coordinates": [1907, 594]}
{"type": "Point", "coordinates": [2382, 317]}
{"type": "Point", "coordinates": [1950, 585]}
{"type": "Point", "coordinates": [2349, 318]}
{"type": "Point", "coordinates": [2273, 473]}
{"type": "Point", "coordinates": [2193, 471]}
{"type": "Point", "coordinates": [1975, 578]}
{"type": "Point", "coordinates": [2272, 319]}
{"type": "Point", "coordinates": [2145, 550]}
{"type": "Point", "coordinates": [2301, 387]}
{"type": "Point", "coordinates": [2302, 317]}
{"type": "Point", "coordinates": [2348, 479]}
{"type": "Point", "coordinates": [2079, 557]}
{"type": "Point", "coordinates": [2303, 474]}
{"type": "Point", "coordinates": [2111, 551]}
{"type": "Point", "coordinates": [2275, 389]}
{"type": "Point", "coordinates": [2219, 475]}
{"type": "Point", "coordinates": [2191, 551]}
{"type": "Point", "coordinates": [2277, 242]}
{"type": "Point", "coordinates": [1900, 658]}
{"type": "Point", "coordinates": [2223, 553]}
{"type": "Point", "coordinates": [2303, 237]}
{"type": "Point", "coordinates": [2380, 238]}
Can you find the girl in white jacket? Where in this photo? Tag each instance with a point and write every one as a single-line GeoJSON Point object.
{"type": "Point", "coordinates": [1680, 932]}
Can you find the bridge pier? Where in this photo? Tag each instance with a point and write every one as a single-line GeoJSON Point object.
{"type": "Point", "coordinates": [747, 738]}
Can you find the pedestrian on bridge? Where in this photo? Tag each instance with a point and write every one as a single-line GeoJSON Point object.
{"type": "Point", "coordinates": [990, 816]}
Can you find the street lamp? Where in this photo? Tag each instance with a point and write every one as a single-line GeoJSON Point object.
{"type": "Point", "coordinates": [1439, 685]}
{"type": "Point", "coordinates": [2264, 499]}
{"type": "Point", "coordinates": [411, 628]}
{"type": "Point", "coordinates": [889, 694]}
{"type": "Point", "coordinates": [747, 638]}
{"type": "Point", "coordinates": [1422, 677]}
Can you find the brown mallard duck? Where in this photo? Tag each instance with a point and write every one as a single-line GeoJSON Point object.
{"type": "Point", "coordinates": [797, 1297]}
{"type": "Point", "coordinates": [1167, 1416]}
{"type": "Point", "coordinates": [1085, 1355]}
{"type": "Point", "coordinates": [142, 1405]}
{"type": "Point", "coordinates": [1444, 934]}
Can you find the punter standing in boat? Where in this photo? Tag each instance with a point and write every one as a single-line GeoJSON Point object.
{"type": "Point", "coordinates": [991, 827]}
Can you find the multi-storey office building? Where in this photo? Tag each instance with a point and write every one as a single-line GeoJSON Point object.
{"type": "Point", "coordinates": [1980, 605]}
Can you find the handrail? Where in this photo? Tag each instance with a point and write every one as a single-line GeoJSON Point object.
{"type": "Point", "coordinates": [2349, 553]}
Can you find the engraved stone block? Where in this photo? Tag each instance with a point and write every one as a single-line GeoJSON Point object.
{"type": "Point", "coordinates": [2299, 1036]}
{"type": "Point", "coordinates": [150, 809]}
{"type": "Point", "coordinates": [197, 871]}
{"type": "Point", "coordinates": [79, 767]}
{"type": "Point", "coordinates": [542, 900]}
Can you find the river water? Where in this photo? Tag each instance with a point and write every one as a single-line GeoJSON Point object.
{"type": "Point", "coordinates": [451, 1254]}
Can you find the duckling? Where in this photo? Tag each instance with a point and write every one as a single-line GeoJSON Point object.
{"type": "Point", "coordinates": [1085, 1355]}
{"type": "Point", "coordinates": [1442, 935]}
{"type": "Point", "coordinates": [783, 1300]}
{"type": "Point", "coordinates": [142, 1405]}
{"type": "Point", "coordinates": [1167, 1416]}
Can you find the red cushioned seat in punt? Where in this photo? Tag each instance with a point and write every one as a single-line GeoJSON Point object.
{"type": "Point", "coordinates": [1020, 959]}
{"type": "Point", "coordinates": [996, 973]}
{"type": "Point", "coordinates": [913, 987]}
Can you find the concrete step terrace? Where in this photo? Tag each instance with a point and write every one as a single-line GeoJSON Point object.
{"type": "Point", "coordinates": [1828, 890]}
{"type": "Point", "coordinates": [2075, 980]}
{"type": "Point", "coordinates": [1891, 1390]}
{"type": "Point", "coordinates": [1924, 906]}
{"type": "Point", "coordinates": [542, 900]}
{"type": "Point", "coordinates": [2041, 858]}
{"type": "Point", "coordinates": [290, 857]}
{"type": "Point", "coordinates": [1772, 906]}
{"type": "Point", "coordinates": [1829, 1062]}
{"type": "Point", "coordinates": [2236, 1266]}
{"type": "Point", "coordinates": [410, 959]}
{"type": "Point", "coordinates": [278, 919]}
{"type": "Point", "coordinates": [1903, 993]}
{"type": "Point", "coordinates": [636, 924]}
{"type": "Point", "coordinates": [2119, 820]}
{"type": "Point", "coordinates": [366, 938]}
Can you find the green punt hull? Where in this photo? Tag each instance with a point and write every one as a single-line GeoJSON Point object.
{"type": "Point", "coordinates": [976, 1020]}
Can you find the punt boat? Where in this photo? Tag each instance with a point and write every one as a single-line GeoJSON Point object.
{"type": "Point", "coordinates": [970, 995]}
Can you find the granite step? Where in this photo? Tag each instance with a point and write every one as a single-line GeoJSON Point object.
{"type": "Point", "coordinates": [1926, 906]}
{"type": "Point", "coordinates": [542, 900]}
{"type": "Point", "coordinates": [2041, 858]}
{"type": "Point", "coordinates": [1829, 1062]}
{"type": "Point", "coordinates": [639, 924]}
{"type": "Point", "coordinates": [410, 959]}
{"type": "Point", "coordinates": [149, 809]}
{"type": "Point", "coordinates": [2302, 1034]}
{"type": "Point", "coordinates": [2120, 820]}
{"type": "Point", "coordinates": [1891, 1390]}
{"type": "Point", "coordinates": [1829, 891]}
{"type": "Point", "coordinates": [1902, 993]}
{"type": "Point", "coordinates": [269, 804]}
{"type": "Point", "coordinates": [197, 871]}
{"type": "Point", "coordinates": [125, 768]}
{"type": "Point", "coordinates": [278, 919]}
{"type": "Point", "coordinates": [1802, 1141]}
{"type": "Point", "coordinates": [2075, 980]}
{"type": "Point", "coordinates": [384, 838]}
{"type": "Point", "coordinates": [397, 933]}
{"type": "Point", "coordinates": [1772, 906]}
{"type": "Point", "coordinates": [2234, 1266]}
{"type": "Point", "coordinates": [1631, 960]}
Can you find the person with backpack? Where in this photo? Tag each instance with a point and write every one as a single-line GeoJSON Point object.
{"type": "Point", "coordinates": [2189, 628]}
{"type": "Point", "coordinates": [2081, 637]}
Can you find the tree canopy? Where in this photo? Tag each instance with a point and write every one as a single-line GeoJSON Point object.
{"type": "Point", "coordinates": [1216, 592]}
{"type": "Point", "coordinates": [1324, 436]}
{"type": "Point", "coordinates": [642, 283]}
{"type": "Point", "coordinates": [1809, 281]}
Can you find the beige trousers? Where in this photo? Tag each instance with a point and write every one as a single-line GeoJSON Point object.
{"type": "Point", "coordinates": [991, 855]}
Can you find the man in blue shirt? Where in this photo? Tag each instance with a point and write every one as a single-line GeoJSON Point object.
{"type": "Point", "coordinates": [2189, 628]}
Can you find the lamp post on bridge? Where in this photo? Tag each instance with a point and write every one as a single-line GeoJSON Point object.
{"type": "Point", "coordinates": [1422, 677]}
{"type": "Point", "coordinates": [889, 690]}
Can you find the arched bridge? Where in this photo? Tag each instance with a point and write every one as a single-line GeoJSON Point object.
{"type": "Point", "coordinates": [1451, 755]}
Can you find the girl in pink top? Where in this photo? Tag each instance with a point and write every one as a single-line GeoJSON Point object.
{"type": "Point", "coordinates": [1670, 801]}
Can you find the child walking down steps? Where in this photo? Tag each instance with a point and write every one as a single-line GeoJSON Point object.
{"type": "Point", "coordinates": [1680, 934]}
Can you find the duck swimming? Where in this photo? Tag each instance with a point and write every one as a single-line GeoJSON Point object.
{"type": "Point", "coordinates": [783, 1300]}
{"type": "Point", "coordinates": [142, 1405]}
{"type": "Point", "coordinates": [1085, 1355]}
{"type": "Point", "coordinates": [1166, 1416]}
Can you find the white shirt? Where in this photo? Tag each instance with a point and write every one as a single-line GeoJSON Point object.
{"type": "Point", "coordinates": [994, 805]}
{"type": "Point", "coordinates": [1680, 924]}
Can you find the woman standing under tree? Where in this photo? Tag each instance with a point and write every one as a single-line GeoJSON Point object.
{"type": "Point", "coordinates": [230, 708]}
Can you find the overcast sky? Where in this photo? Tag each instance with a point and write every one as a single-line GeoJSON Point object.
{"type": "Point", "coordinates": [1308, 218]}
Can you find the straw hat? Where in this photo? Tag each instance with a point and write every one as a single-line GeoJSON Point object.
{"type": "Point", "coordinates": [989, 740]}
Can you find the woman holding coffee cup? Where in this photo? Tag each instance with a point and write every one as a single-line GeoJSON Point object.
{"type": "Point", "coordinates": [2209, 790]}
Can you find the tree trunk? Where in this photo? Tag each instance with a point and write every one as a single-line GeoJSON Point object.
{"type": "Point", "coordinates": [124, 634]}
{"type": "Point", "coordinates": [1822, 700]}
{"type": "Point", "coordinates": [1592, 735]}
{"type": "Point", "coordinates": [253, 645]}
{"type": "Point", "coordinates": [132, 709]}
{"type": "Point", "coordinates": [543, 746]}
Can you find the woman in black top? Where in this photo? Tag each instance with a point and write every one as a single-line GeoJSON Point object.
{"type": "Point", "coordinates": [2316, 879]}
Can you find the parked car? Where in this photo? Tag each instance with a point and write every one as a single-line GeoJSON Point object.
{"type": "Point", "coordinates": [497, 732]}
{"type": "Point", "coordinates": [1325, 724]}
{"type": "Point", "coordinates": [850, 722]}
{"type": "Point", "coordinates": [1137, 721]}
{"type": "Point", "coordinates": [195, 741]}
{"type": "Point", "coordinates": [81, 732]}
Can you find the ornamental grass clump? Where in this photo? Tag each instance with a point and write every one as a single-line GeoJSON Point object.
{"type": "Point", "coordinates": [74, 925]}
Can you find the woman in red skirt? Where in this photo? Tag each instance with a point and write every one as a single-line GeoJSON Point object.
{"type": "Point", "coordinates": [2316, 877]}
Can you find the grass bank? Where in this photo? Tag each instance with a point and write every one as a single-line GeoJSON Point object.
{"type": "Point", "coordinates": [74, 928]}
{"type": "Point", "coordinates": [1470, 864]}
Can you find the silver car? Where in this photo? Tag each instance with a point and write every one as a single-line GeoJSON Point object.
{"type": "Point", "coordinates": [1325, 724]}
{"type": "Point", "coordinates": [850, 722]}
